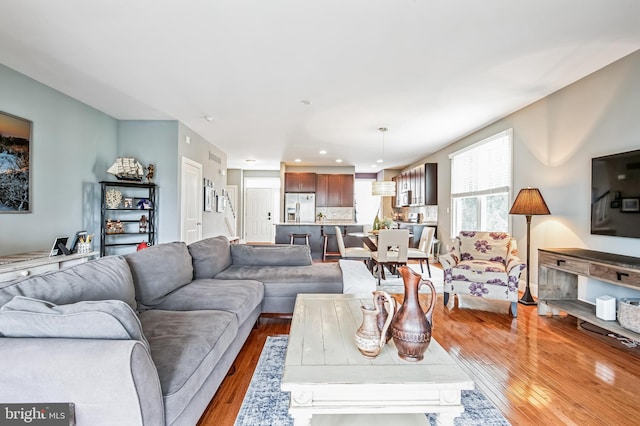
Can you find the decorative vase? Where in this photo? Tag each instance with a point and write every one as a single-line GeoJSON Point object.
{"type": "Point", "coordinates": [411, 327]}
{"type": "Point", "coordinates": [369, 338]}
{"type": "Point", "coordinates": [376, 223]}
{"type": "Point", "coordinates": [382, 298]}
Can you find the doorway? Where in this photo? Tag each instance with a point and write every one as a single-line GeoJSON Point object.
{"type": "Point", "coordinates": [261, 209]}
{"type": "Point", "coordinates": [190, 201]}
{"type": "Point", "coordinates": [259, 215]}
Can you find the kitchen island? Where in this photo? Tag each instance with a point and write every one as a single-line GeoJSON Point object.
{"type": "Point", "coordinates": [317, 232]}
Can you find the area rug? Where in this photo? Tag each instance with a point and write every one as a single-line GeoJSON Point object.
{"type": "Point", "coordinates": [266, 405]}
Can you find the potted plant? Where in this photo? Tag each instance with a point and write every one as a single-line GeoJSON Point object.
{"type": "Point", "coordinates": [321, 217]}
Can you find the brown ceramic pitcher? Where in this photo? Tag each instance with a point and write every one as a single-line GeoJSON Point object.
{"type": "Point", "coordinates": [369, 338]}
{"type": "Point", "coordinates": [411, 327]}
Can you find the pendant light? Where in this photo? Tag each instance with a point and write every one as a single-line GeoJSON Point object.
{"type": "Point", "coordinates": [385, 188]}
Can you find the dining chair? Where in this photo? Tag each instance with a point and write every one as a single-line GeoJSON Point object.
{"type": "Point", "coordinates": [357, 253]}
{"type": "Point", "coordinates": [421, 254]}
{"type": "Point", "coordinates": [393, 247]}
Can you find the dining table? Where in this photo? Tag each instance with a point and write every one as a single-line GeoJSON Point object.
{"type": "Point", "coordinates": [370, 239]}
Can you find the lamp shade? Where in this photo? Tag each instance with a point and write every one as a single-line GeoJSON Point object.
{"type": "Point", "coordinates": [384, 188]}
{"type": "Point", "coordinates": [529, 202]}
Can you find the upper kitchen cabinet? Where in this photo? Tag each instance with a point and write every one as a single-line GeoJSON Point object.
{"type": "Point", "coordinates": [299, 182]}
{"type": "Point", "coordinates": [418, 186]}
{"type": "Point", "coordinates": [334, 190]}
{"type": "Point", "coordinates": [431, 184]}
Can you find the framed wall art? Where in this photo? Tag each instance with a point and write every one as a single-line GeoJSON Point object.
{"type": "Point", "coordinates": [15, 164]}
{"type": "Point", "coordinates": [209, 195]}
{"type": "Point", "coordinates": [630, 205]}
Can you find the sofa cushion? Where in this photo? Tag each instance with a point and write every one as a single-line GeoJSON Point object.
{"type": "Point", "coordinates": [107, 278]}
{"type": "Point", "coordinates": [105, 319]}
{"type": "Point", "coordinates": [210, 256]}
{"type": "Point", "coordinates": [186, 346]}
{"type": "Point", "coordinates": [290, 280]}
{"type": "Point", "coordinates": [240, 297]}
{"type": "Point", "coordinates": [159, 270]}
{"type": "Point", "coordinates": [491, 246]}
{"type": "Point", "coordinates": [270, 255]}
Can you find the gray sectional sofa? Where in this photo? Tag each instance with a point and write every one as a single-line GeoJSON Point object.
{"type": "Point", "coordinates": [146, 338]}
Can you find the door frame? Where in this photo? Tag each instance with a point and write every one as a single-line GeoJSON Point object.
{"type": "Point", "coordinates": [273, 183]}
{"type": "Point", "coordinates": [183, 200]}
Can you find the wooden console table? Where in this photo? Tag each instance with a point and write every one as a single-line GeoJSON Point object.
{"type": "Point", "coordinates": [33, 263]}
{"type": "Point", "coordinates": [558, 271]}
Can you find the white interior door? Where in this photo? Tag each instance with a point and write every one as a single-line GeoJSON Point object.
{"type": "Point", "coordinates": [259, 215]}
{"type": "Point", "coordinates": [191, 199]}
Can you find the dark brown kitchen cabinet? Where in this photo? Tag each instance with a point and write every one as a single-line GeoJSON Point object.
{"type": "Point", "coordinates": [322, 190]}
{"type": "Point", "coordinates": [299, 182]}
{"type": "Point", "coordinates": [418, 186]}
{"type": "Point", "coordinates": [334, 190]}
{"type": "Point", "coordinates": [431, 184]}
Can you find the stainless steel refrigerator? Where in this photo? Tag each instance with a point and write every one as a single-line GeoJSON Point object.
{"type": "Point", "coordinates": [300, 207]}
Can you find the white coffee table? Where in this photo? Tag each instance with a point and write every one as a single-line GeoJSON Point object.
{"type": "Point", "coordinates": [331, 382]}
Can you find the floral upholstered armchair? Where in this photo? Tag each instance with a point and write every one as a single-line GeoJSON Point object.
{"type": "Point", "coordinates": [483, 264]}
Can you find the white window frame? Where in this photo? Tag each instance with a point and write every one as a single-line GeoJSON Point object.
{"type": "Point", "coordinates": [505, 186]}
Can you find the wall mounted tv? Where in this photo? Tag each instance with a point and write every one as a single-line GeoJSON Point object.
{"type": "Point", "coordinates": [615, 195]}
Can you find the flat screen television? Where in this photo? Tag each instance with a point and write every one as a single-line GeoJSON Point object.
{"type": "Point", "coordinates": [615, 195]}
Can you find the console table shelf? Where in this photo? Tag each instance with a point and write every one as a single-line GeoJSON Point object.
{"type": "Point", "coordinates": [558, 271]}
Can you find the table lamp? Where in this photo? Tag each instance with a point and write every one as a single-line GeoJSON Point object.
{"type": "Point", "coordinates": [529, 202]}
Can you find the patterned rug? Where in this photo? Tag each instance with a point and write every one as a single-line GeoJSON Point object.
{"type": "Point", "coordinates": [266, 405]}
{"type": "Point", "coordinates": [393, 284]}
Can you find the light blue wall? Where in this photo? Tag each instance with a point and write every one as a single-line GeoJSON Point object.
{"type": "Point", "coordinates": [72, 146]}
{"type": "Point", "coordinates": [156, 142]}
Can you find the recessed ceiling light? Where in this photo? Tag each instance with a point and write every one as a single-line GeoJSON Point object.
{"type": "Point", "coordinates": [305, 102]}
{"type": "Point", "coordinates": [208, 118]}
{"type": "Point", "coordinates": [373, 165]}
{"type": "Point", "coordinates": [297, 160]}
{"type": "Point", "coordinates": [250, 161]}
{"type": "Point", "coordinates": [380, 161]}
{"type": "Point", "coordinates": [323, 152]}
{"type": "Point", "coordinates": [338, 160]}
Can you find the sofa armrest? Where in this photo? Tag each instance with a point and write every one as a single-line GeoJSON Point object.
{"type": "Point", "coordinates": [109, 381]}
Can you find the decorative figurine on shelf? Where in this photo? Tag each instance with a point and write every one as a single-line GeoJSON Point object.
{"type": "Point", "coordinates": [143, 245]}
{"type": "Point", "coordinates": [114, 227]}
{"type": "Point", "coordinates": [150, 171]}
{"type": "Point", "coordinates": [143, 224]}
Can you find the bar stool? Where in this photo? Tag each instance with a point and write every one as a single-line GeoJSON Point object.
{"type": "Point", "coordinates": [326, 253]}
{"type": "Point", "coordinates": [294, 236]}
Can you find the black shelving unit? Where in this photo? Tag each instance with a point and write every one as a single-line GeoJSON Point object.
{"type": "Point", "coordinates": [111, 243]}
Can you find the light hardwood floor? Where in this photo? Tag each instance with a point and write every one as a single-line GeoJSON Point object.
{"type": "Point", "coordinates": [536, 370]}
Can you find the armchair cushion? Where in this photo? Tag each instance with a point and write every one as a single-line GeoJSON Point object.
{"type": "Point", "coordinates": [105, 319]}
{"type": "Point", "coordinates": [492, 246]}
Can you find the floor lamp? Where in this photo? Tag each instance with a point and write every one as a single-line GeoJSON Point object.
{"type": "Point", "coordinates": [529, 202]}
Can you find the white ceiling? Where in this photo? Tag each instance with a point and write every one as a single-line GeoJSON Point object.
{"type": "Point", "coordinates": [431, 71]}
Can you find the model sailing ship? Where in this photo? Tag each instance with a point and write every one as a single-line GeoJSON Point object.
{"type": "Point", "coordinates": [127, 168]}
